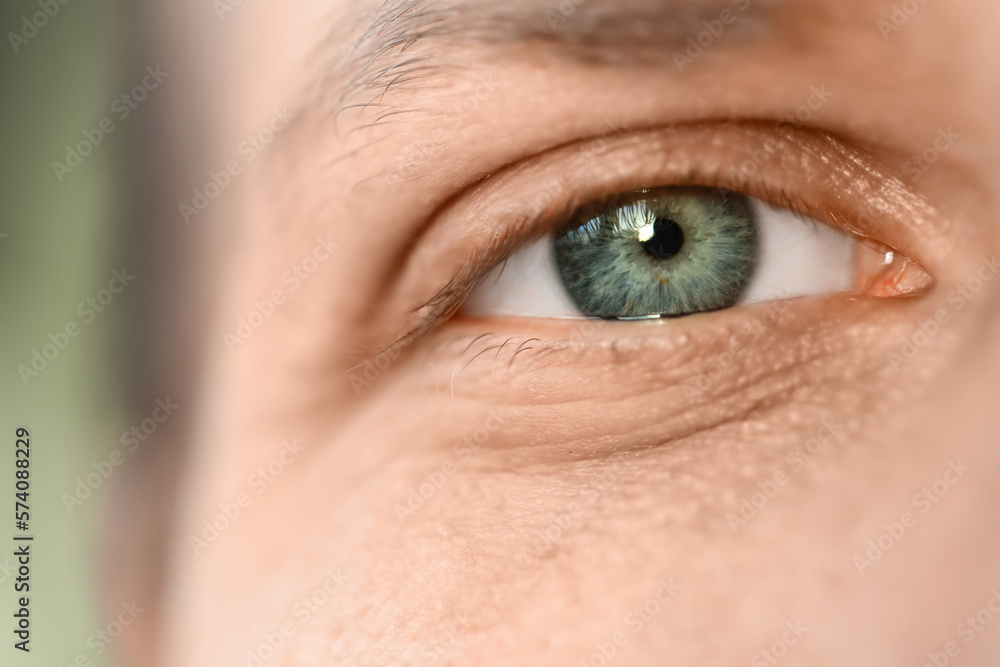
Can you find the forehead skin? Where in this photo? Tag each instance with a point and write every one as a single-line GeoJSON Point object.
{"type": "Point", "coordinates": [599, 482]}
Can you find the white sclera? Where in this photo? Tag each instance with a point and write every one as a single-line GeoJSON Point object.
{"type": "Point", "coordinates": [798, 256]}
{"type": "Point", "coordinates": [526, 285]}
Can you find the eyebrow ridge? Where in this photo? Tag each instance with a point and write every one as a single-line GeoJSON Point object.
{"type": "Point", "coordinates": [381, 50]}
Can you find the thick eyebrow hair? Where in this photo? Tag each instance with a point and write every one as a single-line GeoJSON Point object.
{"type": "Point", "coordinates": [379, 49]}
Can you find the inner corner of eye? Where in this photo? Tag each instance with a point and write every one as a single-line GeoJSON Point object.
{"type": "Point", "coordinates": [885, 272]}
{"type": "Point", "coordinates": [675, 251]}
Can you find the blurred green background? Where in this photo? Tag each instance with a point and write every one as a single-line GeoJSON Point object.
{"type": "Point", "coordinates": [59, 242]}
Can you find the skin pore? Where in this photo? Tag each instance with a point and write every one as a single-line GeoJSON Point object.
{"type": "Point", "coordinates": [457, 490]}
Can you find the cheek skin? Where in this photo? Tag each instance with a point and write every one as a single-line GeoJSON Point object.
{"type": "Point", "coordinates": [538, 464]}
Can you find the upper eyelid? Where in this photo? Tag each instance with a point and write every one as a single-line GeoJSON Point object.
{"type": "Point", "coordinates": [602, 166]}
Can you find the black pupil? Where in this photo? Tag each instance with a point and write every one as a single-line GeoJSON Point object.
{"type": "Point", "coordinates": [667, 239]}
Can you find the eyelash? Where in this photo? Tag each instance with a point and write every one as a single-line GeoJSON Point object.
{"type": "Point", "coordinates": [872, 183]}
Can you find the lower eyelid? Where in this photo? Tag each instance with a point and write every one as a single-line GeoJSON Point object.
{"type": "Point", "coordinates": [721, 355]}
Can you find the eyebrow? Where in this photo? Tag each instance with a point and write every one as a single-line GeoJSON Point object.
{"type": "Point", "coordinates": [380, 49]}
{"type": "Point", "coordinates": [621, 24]}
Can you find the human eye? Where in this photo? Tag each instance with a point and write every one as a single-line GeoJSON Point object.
{"type": "Point", "coordinates": [655, 242]}
{"type": "Point", "coordinates": [674, 251]}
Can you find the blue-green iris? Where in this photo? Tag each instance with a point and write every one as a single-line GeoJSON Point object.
{"type": "Point", "coordinates": [663, 252]}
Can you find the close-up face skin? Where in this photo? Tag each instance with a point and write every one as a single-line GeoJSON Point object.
{"type": "Point", "coordinates": [437, 417]}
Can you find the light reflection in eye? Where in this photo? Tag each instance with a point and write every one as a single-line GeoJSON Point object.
{"type": "Point", "coordinates": [669, 252]}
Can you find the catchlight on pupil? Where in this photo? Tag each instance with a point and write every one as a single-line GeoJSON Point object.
{"type": "Point", "coordinates": [659, 253]}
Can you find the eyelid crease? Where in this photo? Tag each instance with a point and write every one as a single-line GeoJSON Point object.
{"type": "Point", "coordinates": [805, 153]}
